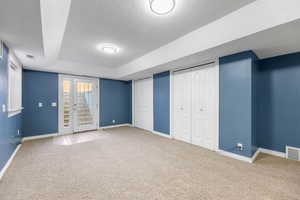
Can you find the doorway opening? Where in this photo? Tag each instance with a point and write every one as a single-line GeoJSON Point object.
{"type": "Point", "coordinates": [78, 104]}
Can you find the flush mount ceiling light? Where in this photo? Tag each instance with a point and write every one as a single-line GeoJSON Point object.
{"type": "Point", "coordinates": [108, 48]}
{"type": "Point", "coordinates": [162, 7]}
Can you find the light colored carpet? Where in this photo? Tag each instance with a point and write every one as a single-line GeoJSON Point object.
{"type": "Point", "coordinates": [131, 164]}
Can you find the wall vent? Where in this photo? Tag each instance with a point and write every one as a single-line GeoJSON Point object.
{"type": "Point", "coordinates": [292, 153]}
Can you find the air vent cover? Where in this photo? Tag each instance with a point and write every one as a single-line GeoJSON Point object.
{"type": "Point", "coordinates": [292, 153]}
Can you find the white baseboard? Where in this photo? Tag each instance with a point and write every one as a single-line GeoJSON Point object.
{"type": "Point", "coordinates": [6, 166]}
{"type": "Point", "coordinates": [239, 157]}
{"type": "Point", "coordinates": [39, 137]}
{"type": "Point", "coordinates": [162, 134]}
{"type": "Point", "coordinates": [255, 156]}
{"type": "Point", "coordinates": [271, 152]}
{"type": "Point", "coordinates": [251, 160]}
{"type": "Point", "coordinates": [115, 126]}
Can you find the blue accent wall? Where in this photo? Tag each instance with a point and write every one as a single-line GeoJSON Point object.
{"type": "Point", "coordinates": [39, 87]}
{"type": "Point", "coordinates": [236, 103]}
{"type": "Point", "coordinates": [161, 102]}
{"type": "Point", "coordinates": [9, 138]}
{"type": "Point", "coordinates": [115, 102]}
{"type": "Point", "coordinates": [279, 103]}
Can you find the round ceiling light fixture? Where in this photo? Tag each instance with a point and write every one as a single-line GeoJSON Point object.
{"type": "Point", "coordinates": [162, 7]}
{"type": "Point", "coordinates": [108, 48]}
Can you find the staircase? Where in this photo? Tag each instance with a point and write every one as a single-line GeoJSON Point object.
{"type": "Point", "coordinates": [84, 114]}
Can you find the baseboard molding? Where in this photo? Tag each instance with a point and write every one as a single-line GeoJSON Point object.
{"type": "Point", "coordinates": [239, 157]}
{"type": "Point", "coordinates": [162, 134]}
{"type": "Point", "coordinates": [39, 137]}
{"type": "Point", "coordinates": [6, 166]}
{"type": "Point", "coordinates": [115, 126]}
{"type": "Point", "coordinates": [255, 155]}
{"type": "Point", "coordinates": [273, 153]}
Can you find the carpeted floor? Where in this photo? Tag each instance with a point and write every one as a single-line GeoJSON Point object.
{"type": "Point", "coordinates": [131, 164]}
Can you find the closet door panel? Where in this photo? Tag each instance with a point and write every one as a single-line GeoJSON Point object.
{"type": "Point", "coordinates": [182, 106]}
{"type": "Point", "coordinates": [202, 107]}
{"type": "Point", "coordinates": [143, 110]}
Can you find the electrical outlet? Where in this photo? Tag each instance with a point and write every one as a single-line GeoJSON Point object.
{"type": "Point", "coordinates": [53, 104]}
{"type": "Point", "coordinates": [113, 121]}
{"type": "Point", "coordinates": [240, 146]}
{"type": "Point", "coordinates": [40, 104]}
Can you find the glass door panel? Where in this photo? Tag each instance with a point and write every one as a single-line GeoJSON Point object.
{"type": "Point", "coordinates": [78, 104]}
{"type": "Point", "coordinates": [86, 105]}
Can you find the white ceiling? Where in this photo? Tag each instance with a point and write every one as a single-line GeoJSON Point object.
{"type": "Point", "coordinates": [276, 41]}
{"type": "Point", "coordinates": [132, 26]}
{"type": "Point", "coordinates": [66, 32]}
{"type": "Point", "coordinates": [20, 25]}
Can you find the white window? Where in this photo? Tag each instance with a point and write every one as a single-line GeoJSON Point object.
{"type": "Point", "coordinates": [1, 49]}
{"type": "Point", "coordinates": [14, 86]}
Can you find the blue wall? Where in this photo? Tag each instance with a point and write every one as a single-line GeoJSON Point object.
{"type": "Point", "coordinates": [236, 102]}
{"type": "Point", "coordinates": [39, 87]}
{"type": "Point", "coordinates": [9, 127]}
{"type": "Point", "coordinates": [161, 102]}
{"type": "Point", "coordinates": [115, 102]}
{"type": "Point", "coordinates": [279, 103]}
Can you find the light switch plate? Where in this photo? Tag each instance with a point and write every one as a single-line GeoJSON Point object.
{"type": "Point", "coordinates": [3, 108]}
{"type": "Point", "coordinates": [53, 104]}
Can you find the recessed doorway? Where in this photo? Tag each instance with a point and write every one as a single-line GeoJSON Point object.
{"type": "Point", "coordinates": [78, 104]}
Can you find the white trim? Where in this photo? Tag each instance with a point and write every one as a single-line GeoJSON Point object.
{"type": "Point", "coordinates": [1, 49]}
{"type": "Point", "coordinates": [171, 103]}
{"type": "Point", "coordinates": [251, 160]}
{"type": "Point", "coordinates": [162, 134]}
{"type": "Point", "coordinates": [6, 166]}
{"type": "Point", "coordinates": [217, 106]}
{"type": "Point", "coordinates": [255, 155]}
{"type": "Point", "coordinates": [115, 126]}
{"type": "Point", "coordinates": [98, 103]}
{"type": "Point", "coordinates": [132, 102]}
{"type": "Point", "coordinates": [239, 157]}
{"type": "Point", "coordinates": [39, 137]}
{"type": "Point", "coordinates": [271, 152]}
{"type": "Point", "coordinates": [73, 78]}
{"type": "Point", "coordinates": [14, 73]}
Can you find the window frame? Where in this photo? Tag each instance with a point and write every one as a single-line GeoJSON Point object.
{"type": "Point", "coordinates": [1, 49]}
{"type": "Point", "coordinates": [14, 64]}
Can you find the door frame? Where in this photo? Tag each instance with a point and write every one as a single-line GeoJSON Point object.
{"type": "Point", "coordinates": [60, 97]}
{"type": "Point", "coordinates": [217, 100]}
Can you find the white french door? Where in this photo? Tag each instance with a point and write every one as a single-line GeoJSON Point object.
{"type": "Point", "coordinates": [78, 104]}
{"type": "Point", "coordinates": [195, 106]}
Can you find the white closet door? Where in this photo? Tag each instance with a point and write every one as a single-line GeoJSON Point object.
{"type": "Point", "coordinates": [182, 106]}
{"type": "Point", "coordinates": [143, 104]}
{"type": "Point", "coordinates": [203, 104]}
